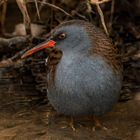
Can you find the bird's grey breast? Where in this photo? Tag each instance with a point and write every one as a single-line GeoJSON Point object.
{"type": "Point", "coordinates": [84, 85]}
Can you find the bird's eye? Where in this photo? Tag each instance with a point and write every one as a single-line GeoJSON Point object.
{"type": "Point", "coordinates": [62, 36]}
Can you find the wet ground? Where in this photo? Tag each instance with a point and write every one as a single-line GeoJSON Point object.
{"type": "Point", "coordinates": [19, 120]}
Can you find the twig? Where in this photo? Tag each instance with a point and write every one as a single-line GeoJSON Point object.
{"type": "Point", "coordinates": [26, 18]}
{"type": "Point", "coordinates": [89, 10]}
{"type": "Point", "coordinates": [102, 18]}
{"type": "Point", "coordinates": [112, 14]}
{"type": "Point", "coordinates": [41, 5]}
{"type": "Point", "coordinates": [74, 12]}
{"type": "Point", "coordinates": [98, 1]}
{"type": "Point", "coordinates": [52, 15]}
{"type": "Point", "coordinates": [4, 9]}
{"type": "Point", "coordinates": [37, 9]}
{"type": "Point", "coordinates": [54, 6]}
{"type": "Point", "coordinates": [2, 2]}
{"type": "Point", "coordinates": [6, 63]}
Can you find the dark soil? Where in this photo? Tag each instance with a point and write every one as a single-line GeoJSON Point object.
{"type": "Point", "coordinates": [32, 122]}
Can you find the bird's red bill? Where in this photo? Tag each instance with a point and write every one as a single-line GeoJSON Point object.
{"type": "Point", "coordinates": [49, 44]}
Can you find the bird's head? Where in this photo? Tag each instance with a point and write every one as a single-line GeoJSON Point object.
{"type": "Point", "coordinates": [80, 37]}
{"type": "Point", "coordinates": [69, 36]}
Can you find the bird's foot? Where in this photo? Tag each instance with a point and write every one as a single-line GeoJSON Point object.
{"type": "Point", "coordinates": [50, 114]}
{"type": "Point", "coordinates": [71, 124]}
{"type": "Point", "coordinates": [98, 125]}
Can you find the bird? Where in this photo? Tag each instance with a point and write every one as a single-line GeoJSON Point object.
{"type": "Point", "coordinates": [85, 75]}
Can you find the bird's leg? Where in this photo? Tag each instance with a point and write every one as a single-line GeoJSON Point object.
{"type": "Point", "coordinates": [49, 114]}
{"type": "Point", "coordinates": [71, 124]}
{"type": "Point", "coordinates": [98, 124]}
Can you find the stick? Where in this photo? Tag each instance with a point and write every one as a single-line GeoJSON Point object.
{"type": "Point", "coordinates": [54, 6]}
{"type": "Point", "coordinates": [102, 18]}
{"type": "Point", "coordinates": [37, 9]}
{"type": "Point", "coordinates": [3, 16]}
{"type": "Point", "coordinates": [26, 18]}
